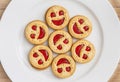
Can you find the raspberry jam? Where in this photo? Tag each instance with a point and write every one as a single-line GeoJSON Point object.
{"type": "Point", "coordinates": [53, 14]}
{"type": "Point", "coordinates": [66, 41]}
{"type": "Point", "coordinates": [45, 54]}
{"type": "Point", "coordinates": [57, 37]}
{"type": "Point", "coordinates": [88, 48]}
{"type": "Point", "coordinates": [59, 70]}
{"type": "Point", "coordinates": [85, 56]}
{"type": "Point", "coordinates": [35, 55]}
{"type": "Point", "coordinates": [59, 47]}
{"type": "Point", "coordinates": [34, 27]}
{"type": "Point", "coordinates": [61, 12]}
{"type": "Point", "coordinates": [86, 28]}
{"type": "Point", "coordinates": [78, 49]}
{"type": "Point", "coordinates": [40, 62]}
{"type": "Point", "coordinates": [76, 29]}
{"type": "Point", "coordinates": [58, 22]}
{"type": "Point", "coordinates": [32, 36]}
{"type": "Point", "coordinates": [62, 61]}
{"type": "Point", "coordinates": [42, 33]}
{"type": "Point", "coordinates": [68, 69]}
{"type": "Point", "coordinates": [81, 21]}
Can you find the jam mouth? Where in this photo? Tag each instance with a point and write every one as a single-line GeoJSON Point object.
{"type": "Point", "coordinates": [42, 33]}
{"type": "Point", "coordinates": [63, 61]}
{"type": "Point", "coordinates": [45, 54]}
{"type": "Point", "coordinates": [57, 37]}
{"type": "Point", "coordinates": [58, 22]}
{"type": "Point", "coordinates": [76, 29]}
{"type": "Point", "coordinates": [78, 49]}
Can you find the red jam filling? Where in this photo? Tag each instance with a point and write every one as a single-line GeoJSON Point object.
{"type": "Point", "coordinates": [35, 55]}
{"type": "Point", "coordinates": [68, 69]}
{"type": "Point", "coordinates": [40, 62]}
{"type": "Point", "coordinates": [32, 36]}
{"type": "Point", "coordinates": [88, 48]}
{"type": "Point", "coordinates": [58, 22]}
{"type": "Point", "coordinates": [76, 30]}
{"type": "Point", "coordinates": [53, 14]}
{"type": "Point", "coordinates": [62, 61]}
{"type": "Point", "coordinates": [66, 41]}
{"type": "Point", "coordinates": [57, 37]}
{"type": "Point", "coordinates": [59, 47]}
{"type": "Point", "coordinates": [78, 49]}
{"type": "Point", "coordinates": [86, 28]}
{"type": "Point", "coordinates": [59, 70]}
{"type": "Point", "coordinates": [61, 12]}
{"type": "Point", "coordinates": [85, 56]}
{"type": "Point", "coordinates": [81, 21]}
{"type": "Point", "coordinates": [42, 33]}
{"type": "Point", "coordinates": [34, 27]}
{"type": "Point", "coordinates": [45, 54]}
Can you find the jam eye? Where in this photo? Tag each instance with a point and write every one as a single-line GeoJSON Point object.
{"type": "Point", "coordinates": [40, 62]}
{"type": "Point", "coordinates": [81, 21]}
{"type": "Point", "coordinates": [88, 48]}
{"type": "Point", "coordinates": [32, 36]}
{"type": "Point", "coordinates": [86, 28]}
{"type": "Point", "coordinates": [35, 55]}
{"type": "Point", "coordinates": [68, 69]}
{"type": "Point", "coordinates": [59, 47]}
{"type": "Point", "coordinates": [34, 27]}
{"type": "Point", "coordinates": [61, 12]}
{"type": "Point", "coordinates": [59, 70]}
{"type": "Point", "coordinates": [66, 41]}
{"type": "Point", "coordinates": [85, 56]}
{"type": "Point", "coordinates": [53, 14]}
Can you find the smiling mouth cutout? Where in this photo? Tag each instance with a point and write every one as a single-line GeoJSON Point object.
{"type": "Point", "coordinates": [58, 22]}
{"type": "Point", "coordinates": [76, 29]}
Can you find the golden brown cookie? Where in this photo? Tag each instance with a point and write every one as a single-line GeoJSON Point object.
{"type": "Point", "coordinates": [80, 27]}
{"type": "Point", "coordinates": [36, 32]}
{"type": "Point", "coordinates": [83, 51]}
{"type": "Point", "coordinates": [57, 17]}
{"type": "Point", "coordinates": [40, 57]}
{"type": "Point", "coordinates": [60, 41]}
{"type": "Point", "coordinates": [63, 66]}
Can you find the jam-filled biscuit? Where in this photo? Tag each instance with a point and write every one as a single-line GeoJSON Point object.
{"type": "Point", "coordinates": [63, 66]}
{"type": "Point", "coordinates": [80, 27]}
{"type": "Point", "coordinates": [60, 41]}
{"type": "Point", "coordinates": [83, 51]}
{"type": "Point", "coordinates": [57, 17]}
{"type": "Point", "coordinates": [36, 32]}
{"type": "Point", "coordinates": [40, 57]}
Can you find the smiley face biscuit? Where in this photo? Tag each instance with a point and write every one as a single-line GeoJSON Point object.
{"type": "Point", "coordinates": [36, 32]}
{"type": "Point", "coordinates": [60, 41]}
{"type": "Point", "coordinates": [83, 51]}
{"type": "Point", "coordinates": [57, 17]}
{"type": "Point", "coordinates": [63, 66]}
{"type": "Point", "coordinates": [40, 57]}
{"type": "Point", "coordinates": [80, 27]}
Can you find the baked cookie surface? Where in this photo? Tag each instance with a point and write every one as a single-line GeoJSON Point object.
{"type": "Point", "coordinates": [57, 17]}
{"type": "Point", "coordinates": [80, 27]}
{"type": "Point", "coordinates": [40, 57]}
{"type": "Point", "coordinates": [83, 51]}
{"type": "Point", "coordinates": [60, 41]}
{"type": "Point", "coordinates": [63, 66]}
{"type": "Point", "coordinates": [36, 32]}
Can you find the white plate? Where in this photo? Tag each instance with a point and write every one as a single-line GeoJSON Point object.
{"type": "Point", "coordinates": [14, 47]}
